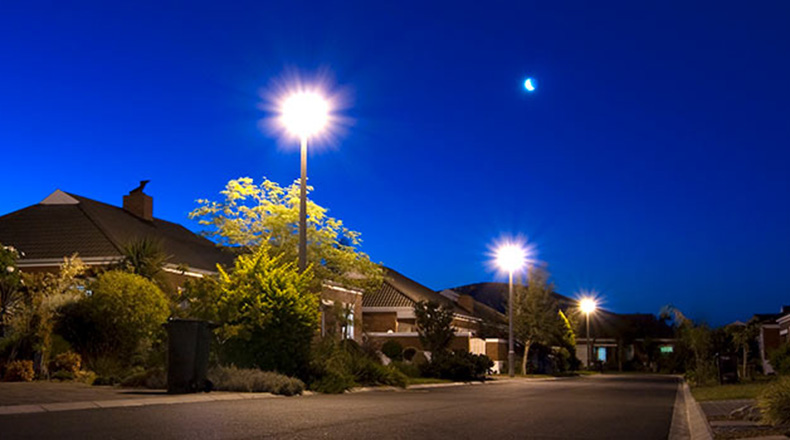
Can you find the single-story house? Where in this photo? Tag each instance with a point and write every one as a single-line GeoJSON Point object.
{"type": "Point", "coordinates": [388, 315]}
{"type": "Point", "coordinates": [63, 224]}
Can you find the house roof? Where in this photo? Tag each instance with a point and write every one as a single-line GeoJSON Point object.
{"type": "Point", "coordinates": [64, 224]}
{"type": "Point", "coordinates": [494, 295]}
{"type": "Point", "coordinates": [398, 290]}
{"type": "Point", "coordinates": [603, 323]}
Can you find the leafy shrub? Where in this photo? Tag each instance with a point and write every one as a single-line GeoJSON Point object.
{"type": "Point", "coordinates": [339, 366]}
{"type": "Point", "coordinates": [251, 380]}
{"type": "Point", "coordinates": [107, 380]}
{"type": "Point", "coordinates": [408, 353]}
{"type": "Point", "coordinates": [459, 365]}
{"type": "Point", "coordinates": [409, 369]}
{"type": "Point", "coordinates": [86, 377]}
{"type": "Point", "coordinates": [154, 379]}
{"type": "Point", "coordinates": [62, 375]}
{"type": "Point", "coordinates": [393, 350]}
{"type": "Point", "coordinates": [19, 371]}
{"type": "Point", "coordinates": [780, 359]}
{"type": "Point", "coordinates": [68, 362]}
{"type": "Point", "coordinates": [774, 402]}
{"type": "Point", "coordinates": [268, 312]}
{"type": "Point", "coordinates": [120, 320]}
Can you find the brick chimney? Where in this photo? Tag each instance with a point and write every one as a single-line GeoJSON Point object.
{"type": "Point", "coordinates": [138, 203]}
{"type": "Point", "coordinates": [467, 303]}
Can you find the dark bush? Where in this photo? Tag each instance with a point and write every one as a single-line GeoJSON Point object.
{"type": "Point", "coordinates": [774, 402]}
{"type": "Point", "coordinates": [409, 369]}
{"type": "Point", "coordinates": [408, 353]}
{"type": "Point", "coordinates": [780, 359]}
{"type": "Point", "coordinates": [337, 366]}
{"type": "Point", "coordinates": [459, 365]}
{"type": "Point", "coordinates": [154, 379]}
{"type": "Point", "coordinates": [62, 375]}
{"type": "Point", "coordinates": [393, 350]}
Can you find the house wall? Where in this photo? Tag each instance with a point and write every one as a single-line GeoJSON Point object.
{"type": "Point", "coordinates": [459, 342]}
{"type": "Point", "coordinates": [380, 321]}
{"type": "Point", "coordinates": [343, 297]}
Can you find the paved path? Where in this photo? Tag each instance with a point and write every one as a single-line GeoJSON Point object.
{"type": "Point", "coordinates": [26, 393]}
{"type": "Point", "coordinates": [716, 408]}
{"type": "Point", "coordinates": [605, 407]}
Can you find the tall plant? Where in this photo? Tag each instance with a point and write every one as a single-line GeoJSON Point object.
{"type": "Point", "coordinates": [536, 315]}
{"type": "Point", "coordinates": [251, 215]}
{"type": "Point", "coordinates": [434, 326]}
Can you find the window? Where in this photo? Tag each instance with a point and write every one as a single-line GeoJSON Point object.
{"type": "Point", "coordinates": [601, 355]}
{"type": "Point", "coordinates": [667, 349]}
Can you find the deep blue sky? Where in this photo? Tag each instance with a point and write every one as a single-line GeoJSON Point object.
{"type": "Point", "coordinates": [651, 164]}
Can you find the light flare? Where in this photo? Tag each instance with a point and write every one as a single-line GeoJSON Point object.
{"type": "Point", "coordinates": [299, 107]}
{"type": "Point", "coordinates": [511, 255]}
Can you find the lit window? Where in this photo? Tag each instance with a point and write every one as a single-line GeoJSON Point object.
{"type": "Point", "coordinates": [666, 349]}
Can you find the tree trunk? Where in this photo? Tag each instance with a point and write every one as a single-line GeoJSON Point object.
{"type": "Point", "coordinates": [745, 357]}
{"type": "Point", "coordinates": [524, 359]}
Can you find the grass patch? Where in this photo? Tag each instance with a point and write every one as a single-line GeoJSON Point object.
{"type": "Point", "coordinates": [746, 390]}
{"type": "Point", "coordinates": [425, 380]}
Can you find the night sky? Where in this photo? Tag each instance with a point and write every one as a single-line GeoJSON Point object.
{"type": "Point", "coordinates": [650, 165]}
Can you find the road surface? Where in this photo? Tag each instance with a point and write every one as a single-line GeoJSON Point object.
{"type": "Point", "coordinates": [599, 407]}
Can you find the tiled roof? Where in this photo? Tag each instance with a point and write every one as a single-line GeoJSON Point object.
{"type": "Point", "coordinates": [95, 229]}
{"type": "Point", "coordinates": [401, 291]}
{"type": "Point", "coordinates": [387, 296]}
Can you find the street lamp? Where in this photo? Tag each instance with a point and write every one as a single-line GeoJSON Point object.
{"type": "Point", "coordinates": [511, 257]}
{"type": "Point", "coordinates": [304, 114]}
{"type": "Point", "coordinates": [587, 306]}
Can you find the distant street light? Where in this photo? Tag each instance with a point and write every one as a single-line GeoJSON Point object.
{"type": "Point", "coordinates": [511, 257]}
{"type": "Point", "coordinates": [587, 306]}
{"type": "Point", "coordinates": [304, 115]}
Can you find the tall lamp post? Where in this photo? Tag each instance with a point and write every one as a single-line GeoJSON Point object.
{"type": "Point", "coordinates": [304, 115]}
{"type": "Point", "coordinates": [588, 305]}
{"type": "Point", "coordinates": [511, 258]}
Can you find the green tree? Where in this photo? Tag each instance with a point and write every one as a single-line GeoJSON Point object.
{"type": "Point", "coordinates": [41, 296]}
{"type": "Point", "coordinates": [9, 285]}
{"type": "Point", "coordinates": [742, 337]}
{"type": "Point", "coordinates": [434, 326]}
{"type": "Point", "coordinates": [251, 215]}
{"type": "Point", "coordinates": [116, 326]}
{"type": "Point", "coordinates": [266, 311]}
{"type": "Point", "coordinates": [536, 314]}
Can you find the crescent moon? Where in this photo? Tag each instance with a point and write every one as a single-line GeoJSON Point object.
{"type": "Point", "coordinates": [529, 85]}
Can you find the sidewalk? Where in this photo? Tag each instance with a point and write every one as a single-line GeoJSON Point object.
{"type": "Point", "coordinates": [39, 397]}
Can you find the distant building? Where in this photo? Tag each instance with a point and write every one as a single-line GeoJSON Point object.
{"type": "Point", "coordinates": [616, 338]}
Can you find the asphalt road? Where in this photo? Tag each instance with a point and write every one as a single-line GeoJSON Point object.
{"type": "Point", "coordinates": [603, 407]}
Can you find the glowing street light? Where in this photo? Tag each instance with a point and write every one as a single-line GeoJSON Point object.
{"type": "Point", "coordinates": [588, 306]}
{"type": "Point", "coordinates": [304, 114]}
{"type": "Point", "coordinates": [511, 257]}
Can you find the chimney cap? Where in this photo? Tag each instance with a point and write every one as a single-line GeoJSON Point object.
{"type": "Point", "coordinates": [140, 188]}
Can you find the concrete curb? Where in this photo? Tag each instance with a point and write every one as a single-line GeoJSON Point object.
{"type": "Point", "coordinates": [699, 428]}
{"type": "Point", "coordinates": [124, 403]}
{"type": "Point", "coordinates": [451, 384]}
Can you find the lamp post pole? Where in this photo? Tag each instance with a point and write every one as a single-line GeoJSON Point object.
{"type": "Point", "coordinates": [589, 346]}
{"type": "Point", "coordinates": [511, 354]}
{"type": "Point", "coordinates": [303, 209]}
